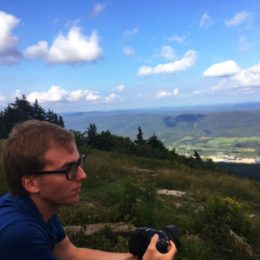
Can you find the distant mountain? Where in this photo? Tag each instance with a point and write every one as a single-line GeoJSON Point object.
{"type": "Point", "coordinates": [222, 132]}
{"type": "Point", "coordinates": [171, 124]}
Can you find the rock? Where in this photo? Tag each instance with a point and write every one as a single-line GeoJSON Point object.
{"type": "Point", "coordinates": [91, 229]}
{"type": "Point", "coordinates": [178, 205]}
{"type": "Point", "coordinates": [175, 193]}
{"type": "Point", "coordinates": [239, 243]}
{"type": "Point", "coordinates": [139, 170]}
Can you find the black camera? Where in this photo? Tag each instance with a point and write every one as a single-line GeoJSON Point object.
{"type": "Point", "coordinates": [141, 238]}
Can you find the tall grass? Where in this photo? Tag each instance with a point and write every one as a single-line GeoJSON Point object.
{"type": "Point", "coordinates": [124, 188]}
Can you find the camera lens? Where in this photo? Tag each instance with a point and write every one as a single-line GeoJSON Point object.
{"type": "Point", "coordinates": [141, 238]}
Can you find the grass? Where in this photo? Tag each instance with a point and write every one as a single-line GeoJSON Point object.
{"type": "Point", "coordinates": [123, 188]}
{"type": "Point", "coordinates": [125, 194]}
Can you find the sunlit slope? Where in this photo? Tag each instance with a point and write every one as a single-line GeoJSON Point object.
{"type": "Point", "coordinates": [237, 131]}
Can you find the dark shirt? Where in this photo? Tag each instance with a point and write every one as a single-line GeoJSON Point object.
{"type": "Point", "coordinates": [23, 232]}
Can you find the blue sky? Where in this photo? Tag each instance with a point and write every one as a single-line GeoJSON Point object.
{"type": "Point", "coordinates": [89, 55]}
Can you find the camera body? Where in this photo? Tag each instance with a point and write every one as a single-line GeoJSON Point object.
{"type": "Point", "coordinates": [141, 238]}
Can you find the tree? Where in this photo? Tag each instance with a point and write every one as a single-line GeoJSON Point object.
{"type": "Point", "coordinates": [16, 112]}
{"type": "Point", "coordinates": [21, 110]}
{"type": "Point", "coordinates": [197, 156]}
{"type": "Point", "coordinates": [79, 138]}
{"type": "Point", "coordinates": [92, 135]}
{"type": "Point", "coordinates": [105, 141]}
{"type": "Point", "coordinates": [60, 121]}
{"type": "Point", "coordinates": [139, 137]}
{"type": "Point", "coordinates": [38, 111]}
{"type": "Point", "coordinates": [155, 142]}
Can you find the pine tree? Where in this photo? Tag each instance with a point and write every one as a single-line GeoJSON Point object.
{"type": "Point", "coordinates": [92, 135]}
{"type": "Point", "coordinates": [38, 111]}
{"type": "Point", "coordinates": [155, 142]}
{"type": "Point", "coordinates": [139, 137]}
{"type": "Point", "coordinates": [21, 110]}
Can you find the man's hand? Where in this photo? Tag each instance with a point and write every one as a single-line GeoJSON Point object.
{"type": "Point", "coordinates": [152, 253]}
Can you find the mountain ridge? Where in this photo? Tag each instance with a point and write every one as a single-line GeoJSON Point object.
{"type": "Point", "coordinates": [226, 129]}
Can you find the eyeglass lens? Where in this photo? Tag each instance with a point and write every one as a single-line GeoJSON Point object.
{"type": "Point", "coordinates": [72, 172]}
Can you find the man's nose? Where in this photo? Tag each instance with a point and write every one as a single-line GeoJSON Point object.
{"type": "Point", "coordinates": [81, 173]}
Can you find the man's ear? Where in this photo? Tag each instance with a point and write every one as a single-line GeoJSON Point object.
{"type": "Point", "coordinates": [30, 184]}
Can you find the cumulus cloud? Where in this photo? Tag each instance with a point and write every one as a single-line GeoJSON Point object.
{"type": "Point", "coordinates": [222, 69]}
{"type": "Point", "coordinates": [244, 80]}
{"type": "Point", "coordinates": [249, 77]}
{"type": "Point", "coordinates": [130, 33]}
{"type": "Point", "coordinates": [58, 94]}
{"type": "Point", "coordinates": [238, 19]}
{"type": "Point", "coordinates": [73, 48]}
{"type": "Point", "coordinates": [205, 21]}
{"type": "Point", "coordinates": [167, 52]}
{"type": "Point", "coordinates": [98, 8]}
{"type": "Point", "coordinates": [120, 88]}
{"type": "Point", "coordinates": [163, 94]}
{"type": "Point", "coordinates": [128, 51]}
{"type": "Point", "coordinates": [8, 42]}
{"type": "Point", "coordinates": [39, 50]}
{"type": "Point", "coordinates": [186, 62]}
{"type": "Point", "coordinates": [178, 38]}
{"type": "Point", "coordinates": [112, 98]}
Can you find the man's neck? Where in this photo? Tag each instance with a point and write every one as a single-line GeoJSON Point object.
{"type": "Point", "coordinates": [46, 209]}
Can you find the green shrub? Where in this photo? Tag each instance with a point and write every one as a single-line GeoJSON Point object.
{"type": "Point", "coordinates": [217, 218]}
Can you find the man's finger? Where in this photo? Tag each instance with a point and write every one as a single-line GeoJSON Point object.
{"type": "Point", "coordinates": [172, 249]}
{"type": "Point", "coordinates": [153, 241]}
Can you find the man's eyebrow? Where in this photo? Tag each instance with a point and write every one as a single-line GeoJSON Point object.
{"type": "Point", "coordinates": [69, 163]}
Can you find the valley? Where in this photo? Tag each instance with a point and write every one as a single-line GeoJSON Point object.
{"type": "Point", "coordinates": [222, 133]}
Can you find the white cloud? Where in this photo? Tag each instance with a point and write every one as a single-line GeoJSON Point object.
{"type": "Point", "coordinates": [79, 94]}
{"type": "Point", "coordinates": [245, 79]}
{"type": "Point", "coordinates": [2, 100]}
{"type": "Point", "coordinates": [186, 62]}
{"type": "Point", "coordinates": [238, 19]}
{"type": "Point", "coordinates": [8, 42]}
{"type": "Point", "coordinates": [73, 48]}
{"type": "Point", "coordinates": [249, 77]}
{"type": "Point", "coordinates": [119, 88]}
{"type": "Point", "coordinates": [167, 52]}
{"type": "Point", "coordinates": [54, 94]}
{"type": "Point", "coordinates": [40, 50]}
{"type": "Point", "coordinates": [58, 94]}
{"type": "Point", "coordinates": [98, 8]}
{"type": "Point", "coordinates": [178, 38]}
{"type": "Point", "coordinates": [112, 98]}
{"type": "Point", "coordinates": [244, 45]}
{"type": "Point", "coordinates": [128, 51]}
{"type": "Point", "coordinates": [222, 69]}
{"type": "Point", "coordinates": [205, 21]}
{"type": "Point", "coordinates": [163, 93]}
{"type": "Point", "coordinates": [130, 33]}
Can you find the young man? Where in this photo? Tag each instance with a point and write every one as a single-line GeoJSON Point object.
{"type": "Point", "coordinates": [43, 169]}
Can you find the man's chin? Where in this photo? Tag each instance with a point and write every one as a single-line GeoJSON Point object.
{"type": "Point", "coordinates": [73, 201]}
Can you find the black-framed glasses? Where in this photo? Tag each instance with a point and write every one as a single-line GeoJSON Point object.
{"type": "Point", "coordinates": [71, 171]}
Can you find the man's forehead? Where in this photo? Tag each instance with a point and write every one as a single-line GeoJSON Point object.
{"type": "Point", "coordinates": [59, 151]}
{"type": "Point", "coordinates": [55, 144]}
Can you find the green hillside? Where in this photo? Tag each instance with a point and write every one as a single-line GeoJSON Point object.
{"type": "Point", "coordinates": [124, 188]}
{"type": "Point", "coordinates": [228, 132]}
